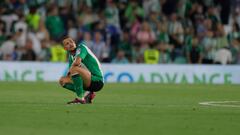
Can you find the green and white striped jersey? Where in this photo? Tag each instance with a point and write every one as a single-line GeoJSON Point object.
{"type": "Point", "coordinates": [88, 59]}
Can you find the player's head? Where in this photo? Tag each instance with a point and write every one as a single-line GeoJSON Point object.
{"type": "Point", "coordinates": [69, 44]}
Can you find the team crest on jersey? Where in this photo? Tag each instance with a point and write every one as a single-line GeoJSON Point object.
{"type": "Point", "coordinates": [78, 51]}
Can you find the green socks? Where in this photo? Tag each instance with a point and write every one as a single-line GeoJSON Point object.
{"type": "Point", "coordinates": [69, 86]}
{"type": "Point", "coordinates": [78, 83]}
{"type": "Point", "coordinates": [76, 86]}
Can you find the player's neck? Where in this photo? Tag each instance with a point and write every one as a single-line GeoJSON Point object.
{"type": "Point", "coordinates": [73, 51]}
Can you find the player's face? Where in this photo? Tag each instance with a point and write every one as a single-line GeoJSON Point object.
{"type": "Point", "coordinates": [69, 44]}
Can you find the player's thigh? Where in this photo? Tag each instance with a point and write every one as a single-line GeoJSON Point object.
{"type": "Point", "coordinates": [64, 80]}
{"type": "Point", "coordinates": [84, 73]}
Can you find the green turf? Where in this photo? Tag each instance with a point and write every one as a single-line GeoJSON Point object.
{"type": "Point", "coordinates": [119, 109]}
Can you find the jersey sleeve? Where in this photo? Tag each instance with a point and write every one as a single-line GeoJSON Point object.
{"type": "Point", "coordinates": [82, 52]}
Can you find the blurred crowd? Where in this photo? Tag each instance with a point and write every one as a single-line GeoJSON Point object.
{"type": "Point", "coordinates": [123, 31]}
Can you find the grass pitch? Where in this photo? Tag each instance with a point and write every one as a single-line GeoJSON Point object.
{"type": "Point", "coordinates": [119, 109]}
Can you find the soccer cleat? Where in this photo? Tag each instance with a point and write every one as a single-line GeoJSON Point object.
{"type": "Point", "coordinates": [77, 101]}
{"type": "Point", "coordinates": [89, 97]}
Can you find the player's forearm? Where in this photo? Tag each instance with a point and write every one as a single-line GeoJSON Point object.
{"type": "Point", "coordinates": [77, 62]}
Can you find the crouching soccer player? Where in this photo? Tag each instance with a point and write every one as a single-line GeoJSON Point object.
{"type": "Point", "coordinates": [85, 76]}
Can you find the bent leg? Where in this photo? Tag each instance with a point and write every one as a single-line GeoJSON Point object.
{"type": "Point", "coordinates": [83, 73]}
{"type": "Point", "coordinates": [69, 86]}
{"type": "Point", "coordinates": [67, 83]}
{"type": "Point", "coordinates": [81, 78]}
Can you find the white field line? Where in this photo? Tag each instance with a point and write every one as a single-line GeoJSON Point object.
{"type": "Point", "coordinates": [220, 103]}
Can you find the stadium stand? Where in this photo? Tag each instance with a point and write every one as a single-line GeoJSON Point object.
{"type": "Point", "coordinates": [122, 31]}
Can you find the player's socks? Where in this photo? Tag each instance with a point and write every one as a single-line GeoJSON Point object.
{"type": "Point", "coordinates": [86, 93]}
{"type": "Point", "coordinates": [69, 86]}
{"type": "Point", "coordinates": [78, 83]}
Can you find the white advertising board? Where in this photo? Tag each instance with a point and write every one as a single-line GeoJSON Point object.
{"type": "Point", "coordinates": [189, 74]}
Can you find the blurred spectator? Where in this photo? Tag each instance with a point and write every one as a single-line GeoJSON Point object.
{"type": "Point", "coordinates": [235, 33]}
{"type": "Point", "coordinates": [203, 28]}
{"type": "Point", "coordinates": [9, 17]}
{"type": "Point", "coordinates": [197, 15]}
{"type": "Point", "coordinates": [213, 15]}
{"type": "Point", "coordinates": [209, 45]}
{"type": "Point", "coordinates": [136, 26]}
{"type": "Point", "coordinates": [223, 56]}
{"type": "Point", "coordinates": [54, 24]}
{"type": "Point", "coordinates": [66, 15]}
{"type": "Point", "coordinates": [183, 7]}
{"type": "Point", "coordinates": [151, 55]}
{"type": "Point", "coordinates": [112, 14]}
{"type": "Point", "coordinates": [237, 17]}
{"type": "Point", "coordinates": [88, 17]}
{"type": "Point", "coordinates": [45, 54]}
{"type": "Point", "coordinates": [235, 50]}
{"type": "Point", "coordinates": [176, 35]}
{"type": "Point", "coordinates": [153, 20]}
{"type": "Point", "coordinates": [42, 32]}
{"type": "Point", "coordinates": [58, 54]}
{"type": "Point", "coordinates": [132, 11]}
{"type": "Point", "coordinates": [151, 6]}
{"type": "Point", "coordinates": [235, 5]}
{"type": "Point", "coordinates": [221, 37]}
{"type": "Point", "coordinates": [21, 23]}
{"type": "Point", "coordinates": [162, 34]}
{"type": "Point", "coordinates": [100, 27]}
{"type": "Point", "coordinates": [145, 36]}
{"type": "Point", "coordinates": [87, 38]}
{"type": "Point", "coordinates": [125, 45]}
{"type": "Point", "coordinates": [35, 42]}
{"type": "Point", "coordinates": [121, 7]}
{"type": "Point", "coordinates": [189, 34]}
{"type": "Point", "coordinates": [99, 46]}
{"type": "Point", "coordinates": [137, 54]}
{"type": "Point", "coordinates": [112, 39]}
{"type": "Point", "coordinates": [33, 19]}
{"type": "Point", "coordinates": [7, 48]}
{"type": "Point", "coordinates": [120, 58]}
{"type": "Point", "coordinates": [175, 29]}
{"type": "Point", "coordinates": [21, 37]}
{"type": "Point", "coordinates": [194, 52]}
{"type": "Point", "coordinates": [2, 33]}
{"type": "Point", "coordinates": [28, 54]}
{"type": "Point", "coordinates": [20, 29]}
{"type": "Point", "coordinates": [72, 30]}
{"type": "Point", "coordinates": [164, 53]}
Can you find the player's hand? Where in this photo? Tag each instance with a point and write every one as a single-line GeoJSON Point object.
{"type": "Point", "coordinates": [64, 80]}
